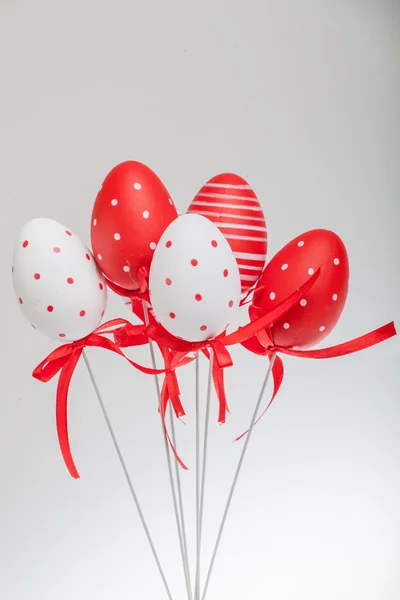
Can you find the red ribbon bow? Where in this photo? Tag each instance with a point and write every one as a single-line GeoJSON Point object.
{"type": "Point", "coordinates": [262, 344]}
{"type": "Point", "coordinates": [64, 359]}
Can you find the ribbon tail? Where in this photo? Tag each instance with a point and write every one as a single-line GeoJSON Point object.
{"type": "Point", "coordinates": [62, 412]}
{"type": "Point", "coordinates": [164, 404]}
{"type": "Point", "coordinates": [171, 382]}
{"type": "Point", "coordinates": [277, 375]}
{"type": "Point", "coordinates": [361, 343]}
{"type": "Point", "coordinates": [219, 385]}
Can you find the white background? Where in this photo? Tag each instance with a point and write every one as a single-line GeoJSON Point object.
{"type": "Point", "coordinates": [302, 99]}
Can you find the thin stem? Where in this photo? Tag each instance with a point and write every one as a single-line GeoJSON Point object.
{"type": "Point", "coordinates": [180, 501]}
{"type": "Point", "coordinates": [168, 456]}
{"type": "Point", "coordinates": [127, 476]}
{"type": "Point", "coordinates": [204, 467]}
{"type": "Point", "coordinates": [197, 583]}
{"type": "Point", "coordinates": [238, 469]}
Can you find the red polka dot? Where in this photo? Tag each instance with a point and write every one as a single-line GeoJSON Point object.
{"type": "Point", "coordinates": [50, 308]}
{"type": "Point", "coordinates": [20, 300]}
{"type": "Point", "coordinates": [214, 243]}
{"type": "Point", "coordinates": [70, 280]}
{"type": "Point", "coordinates": [101, 286]}
{"type": "Point", "coordinates": [168, 244]}
{"type": "Point", "coordinates": [168, 281]}
{"type": "Point", "coordinates": [88, 256]}
{"type": "Point", "coordinates": [194, 262]}
{"type": "Point", "coordinates": [82, 313]}
{"type": "Point", "coordinates": [172, 315]}
{"type": "Point", "coordinates": [56, 250]}
{"type": "Point", "coordinates": [68, 232]}
{"type": "Point", "coordinates": [37, 275]}
{"type": "Point", "coordinates": [226, 273]}
{"type": "Point", "coordinates": [25, 244]}
{"type": "Point", "coordinates": [203, 328]}
{"type": "Point", "coordinates": [61, 335]}
{"type": "Point", "coordinates": [230, 303]}
{"type": "Point", "coordinates": [198, 297]}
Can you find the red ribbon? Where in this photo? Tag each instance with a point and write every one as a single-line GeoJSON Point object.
{"type": "Point", "coordinates": [64, 359]}
{"type": "Point", "coordinates": [263, 345]}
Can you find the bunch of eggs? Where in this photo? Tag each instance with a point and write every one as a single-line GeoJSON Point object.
{"type": "Point", "coordinates": [200, 263]}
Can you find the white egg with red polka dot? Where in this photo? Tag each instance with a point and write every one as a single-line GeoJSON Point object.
{"type": "Point", "coordinates": [194, 279]}
{"type": "Point", "coordinates": [56, 280]}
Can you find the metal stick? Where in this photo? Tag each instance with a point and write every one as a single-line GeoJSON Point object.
{"type": "Point", "coordinates": [203, 471]}
{"type": "Point", "coordinates": [127, 476]}
{"type": "Point", "coordinates": [185, 562]}
{"type": "Point", "coordinates": [180, 501]}
{"type": "Point", "coordinates": [243, 453]}
{"type": "Point", "coordinates": [197, 582]}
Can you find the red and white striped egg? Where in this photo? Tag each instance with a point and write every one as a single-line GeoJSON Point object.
{"type": "Point", "coordinates": [59, 288]}
{"type": "Point", "coordinates": [194, 280]}
{"type": "Point", "coordinates": [231, 204]}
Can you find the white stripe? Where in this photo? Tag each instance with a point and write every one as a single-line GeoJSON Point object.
{"type": "Point", "coordinates": [260, 257]}
{"type": "Point", "coordinates": [228, 185]}
{"type": "Point", "coordinates": [246, 238]}
{"type": "Point", "coordinates": [233, 226]}
{"type": "Point", "coordinates": [249, 267]}
{"type": "Point", "coordinates": [248, 277]}
{"type": "Point", "coordinates": [223, 205]}
{"type": "Point", "coordinates": [230, 196]}
{"type": "Point", "coordinates": [231, 216]}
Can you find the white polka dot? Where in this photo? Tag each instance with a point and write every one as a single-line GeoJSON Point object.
{"type": "Point", "coordinates": [334, 297]}
{"type": "Point", "coordinates": [114, 202]}
{"type": "Point", "coordinates": [126, 269]}
{"type": "Point", "coordinates": [99, 256]}
{"type": "Point", "coordinates": [286, 326]}
{"type": "Point", "coordinates": [153, 245]}
{"type": "Point", "coordinates": [94, 222]}
{"type": "Point", "coordinates": [117, 236]}
{"type": "Point", "coordinates": [322, 328]}
{"type": "Point", "coordinates": [272, 295]}
{"type": "Point", "coordinates": [311, 271]}
{"type": "Point", "coordinates": [303, 302]}
{"type": "Point", "coordinates": [300, 244]}
{"type": "Point", "coordinates": [137, 186]}
{"type": "Point", "coordinates": [336, 261]}
{"type": "Point", "coordinates": [170, 201]}
{"type": "Point", "coordinates": [146, 214]}
{"type": "Point", "coordinates": [284, 267]}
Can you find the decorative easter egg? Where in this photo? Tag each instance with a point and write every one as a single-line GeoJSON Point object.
{"type": "Point", "coordinates": [317, 313]}
{"type": "Point", "coordinates": [130, 213]}
{"type": "Point", "coordinates": [229, 202]}
{"type": "Point", "coordinates": [59, 288]}
{"type": "Point", "coordinates": [194, 279]}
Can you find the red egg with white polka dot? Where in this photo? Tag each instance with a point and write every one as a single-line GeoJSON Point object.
{"type": "Point", "coordinates": [194, 279]}
{"type": "Point", "coordinates": [58, 285]}
{"type": "Point", "coordinates": [230, 202]}
{"type": "Point", "coordinates": [131, 211]}
{"type": "Point", "coordinates": [317, 313]}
